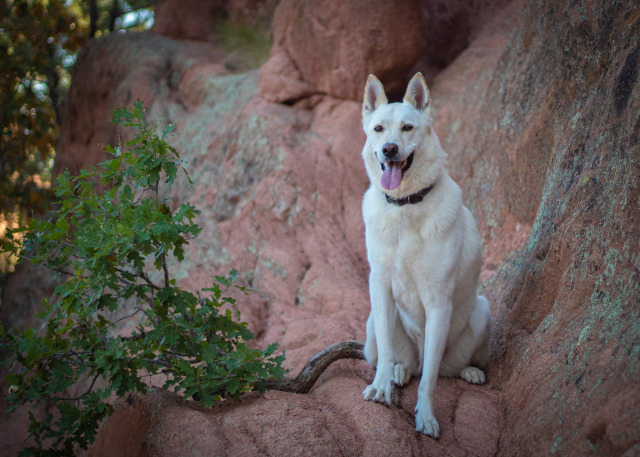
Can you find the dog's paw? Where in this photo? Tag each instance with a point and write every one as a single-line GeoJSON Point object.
{"type": "Point", "coordinates": [473, 375]}
{"type": "Point", "coordinates": [377, 394]}
{"type": "Point", "coordinates": [427, 424]}
{"type": "Point", "coordinates": [401, 375]}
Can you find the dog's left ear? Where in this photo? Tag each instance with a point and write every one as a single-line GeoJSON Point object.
{"type": "Point", "coordinates": [418, 93]}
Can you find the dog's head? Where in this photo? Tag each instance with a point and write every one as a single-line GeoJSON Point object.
{"type": "Point", "coordinates": [402, 153]}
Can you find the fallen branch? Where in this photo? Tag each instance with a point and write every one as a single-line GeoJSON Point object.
{"type": "Point", "coordinates": [303, 383]}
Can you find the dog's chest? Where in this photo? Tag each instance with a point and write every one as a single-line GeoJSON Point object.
{"type": "Point", "coordinates": [397, 242]}
{"type": "Point", "coordinates": [399, 247]}
{"type": "Point", "coordinates": [403, 253]}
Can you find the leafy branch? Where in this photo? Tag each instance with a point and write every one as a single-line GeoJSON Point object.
{"type": "Point", "coordinates": [110, 241]}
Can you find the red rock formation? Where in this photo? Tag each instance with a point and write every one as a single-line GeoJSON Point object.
{"type": "Point", "coordinates": [540, 118]}
{"type": "Point", "coordinates": [188, 19]}
{"type": "Point", "coordinates": [330, 47]}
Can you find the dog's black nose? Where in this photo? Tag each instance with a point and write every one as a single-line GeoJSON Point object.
{"type": "Point", "coordinates": [390, 150]}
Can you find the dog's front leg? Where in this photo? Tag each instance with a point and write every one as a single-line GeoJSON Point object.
{"type": "Point", "coordinates": [383, 312]}
{"type": "Point", "coordinates": [438, 318]}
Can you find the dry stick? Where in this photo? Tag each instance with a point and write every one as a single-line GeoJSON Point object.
{"type": "Point", "coordinates": [302, 383]}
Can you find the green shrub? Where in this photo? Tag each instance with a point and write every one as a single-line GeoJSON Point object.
{"type": "Point", "coordinates": [110, 228]}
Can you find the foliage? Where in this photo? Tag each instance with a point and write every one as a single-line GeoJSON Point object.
{"type": "Point", "coordinates": [102, 243]}
{"type": "Point", "coordinates": [39, 40]}
{"type": "Point", "coordinates": [33, 75]}
{"type": "Point", "coordinates": [109, 15]}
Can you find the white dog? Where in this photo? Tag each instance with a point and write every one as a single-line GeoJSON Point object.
{"type": "Point", "coordinates": [424, 253]}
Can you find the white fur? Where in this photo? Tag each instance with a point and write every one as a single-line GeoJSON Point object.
{"type": "Point", "coordinates": [426, 318]}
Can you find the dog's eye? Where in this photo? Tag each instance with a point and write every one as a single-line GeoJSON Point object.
{"type": "Point", "coordinates": [378, 128]}
{"type": "Point", "coordinates": [407, 127]}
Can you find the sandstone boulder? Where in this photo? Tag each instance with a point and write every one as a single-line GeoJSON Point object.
{"type": "Point", "coordinates": [123, 67]}
{"type": "Point", "coordinates": [330, 47]}
{"type": "Point", "coordinates": [188, 19]}
{"type": "Point", "coordinates": [450, 26]}
{"type": "Point", "coordinates": [557, 150]}
{"type": "Point", "coordinates": [554, 158]}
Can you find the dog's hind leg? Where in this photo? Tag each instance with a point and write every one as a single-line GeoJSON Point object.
{"type": "Point", "coordinates": [480, 357]}
{"type": "Point", "coordinates": [470, 352]}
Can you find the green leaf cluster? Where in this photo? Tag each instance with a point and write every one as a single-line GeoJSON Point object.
{"type": "Point", "coordinates": [39, 42]}
{"type": "Point", "coordinates": [109, 242]}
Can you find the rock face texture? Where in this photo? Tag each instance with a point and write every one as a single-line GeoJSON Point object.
{"type": "Point", "coordinates": [330, 47]}
{"type": "Point", "coordinates": [558, 151]}
{"type": "Point", "coordinates": [540, 116]}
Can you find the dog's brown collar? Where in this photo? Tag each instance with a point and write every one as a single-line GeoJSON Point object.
{"type": "Point", "coordinates": [413, 198]}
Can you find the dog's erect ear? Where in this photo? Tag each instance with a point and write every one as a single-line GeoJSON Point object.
{"type": "Point", "coordinates": [418, 93]}
{"type": "Point", "coordinates": [374, 96]}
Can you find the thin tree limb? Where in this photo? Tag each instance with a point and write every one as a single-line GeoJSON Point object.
{"type": "Point", "coordinates": [303, 383]}
{"type": "Point", "coordinates": [93, 381]}
{"type": "Point", "coordinates": [150, 283]}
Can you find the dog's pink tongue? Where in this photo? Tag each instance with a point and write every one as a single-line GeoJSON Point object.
{"type": "Point", "coordinates": [391, 176]}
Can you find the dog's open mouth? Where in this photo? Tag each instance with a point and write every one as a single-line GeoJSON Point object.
{"type": "Point", "coordinates": [393, 172]}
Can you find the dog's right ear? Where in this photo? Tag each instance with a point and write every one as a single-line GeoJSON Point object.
{"type": "Point", "coordinates": [374, 96]}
